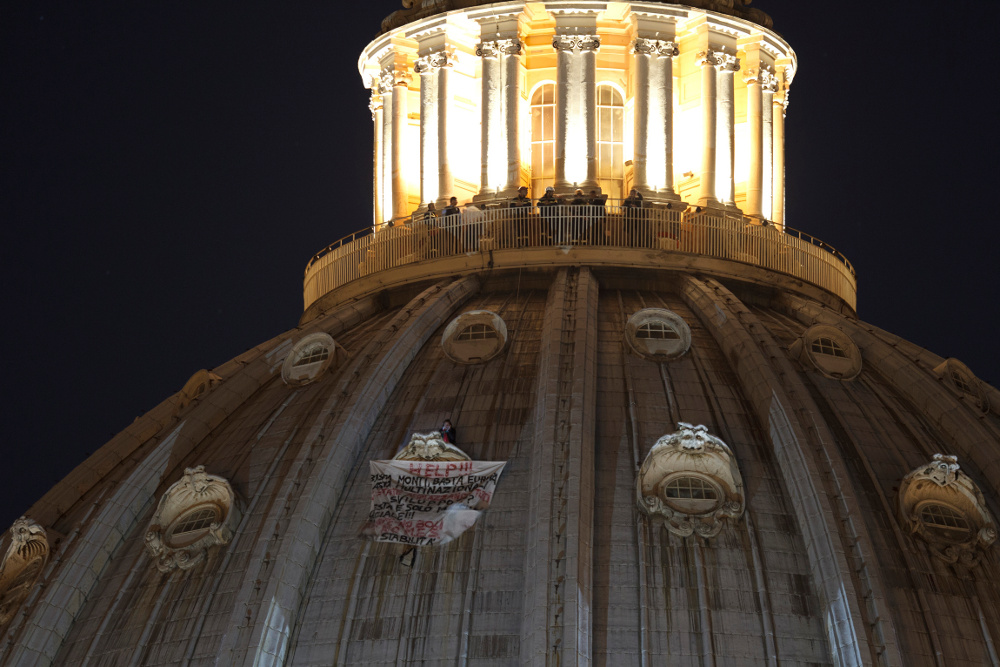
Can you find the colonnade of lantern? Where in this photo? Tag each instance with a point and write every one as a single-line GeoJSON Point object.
{"type": "Point", "coordinates": [679, 103]}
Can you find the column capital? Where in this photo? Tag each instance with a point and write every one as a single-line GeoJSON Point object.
{"type": "Point", "coordinates": [768, 81]}
{"type": "Point", "coordinates": [391, 76]}
{"type": "Point", "coordinates": [498, 47]}
{"type": "Point", "coordinates": [655, 47]}
{"type": "Point", "coordinates": [434, 60]}
{"type": "Point", "coordinates": [375, 103]}
{"type": "Point", "coordinates": [758, 75]}
{"type": "Point", "coordinates": [576, 43]}
{"type": "Point", "coordinates": [727, 62]}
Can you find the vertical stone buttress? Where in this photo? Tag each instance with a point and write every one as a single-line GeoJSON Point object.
{"type": "Point", "coordinates": [557, 626]}
{"type": "Point", "coordinates": [301, 515]}
{"type": "Point", "coordinates": [842, 562]}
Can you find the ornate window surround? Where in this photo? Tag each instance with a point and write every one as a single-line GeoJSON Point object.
{"type": "Point", "coordinates": [963, 382]}
{"type": "Point", "coordinates": [430, 447]}
{"type": "Point", "coordinates": [196, 491]}
{"type": "Point", "coordinates": [691, 453]}
{"type": "Point", "coordinates": [834, 366]}
{"type": "Point", "coordinates": [658, 349]}
{"type": "Point", "coordinates": [469, 350]}
{"type": "Point", "coordinates": [295, 373]}
{"type": "Point", "coordinates": [940, 483]}
{"type": "Point", "coordinates": [22, 565]}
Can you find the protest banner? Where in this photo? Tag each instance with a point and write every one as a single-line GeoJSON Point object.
{"type": "Point", "coordinates": [423, 503]}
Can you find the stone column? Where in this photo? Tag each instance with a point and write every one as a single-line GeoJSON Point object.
{"type": "Point", "coordinates": [491, 106]}
{"type": "Point", "coordinates": [501, 150]}
{"type": "Point", "coordinates": [399, 81]}
{"type": "Point", "coordinates": [375, 106]}
{"type": "Point", "coordinates": [445, 182]}
{"type": "Point", "coordinates": [435, 168]}
{"type": "Point", "coordinates": [385, 88]}
{"type": "Point", "coordinates": [511, 51]}
{"type": "Point", "coordinates": [576, 108]}
{"type": "Point", "coordinates": [756, 131]}
{"type": "Point", "coordinates": [708, 61]}
{"type": "Point", "coordinates": [725, 136]}
{"type": "Point", "coordinates": [780, 103]}
{"type": "Point", "coordinates": [428, 132]}
{"type": "Point", "coordinates": [654, 117]}
{"type": "Point", "coordinates": [767, 145]}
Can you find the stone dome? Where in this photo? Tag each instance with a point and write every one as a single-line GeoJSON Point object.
{"type": "Point", "coordinates": [673, 441]}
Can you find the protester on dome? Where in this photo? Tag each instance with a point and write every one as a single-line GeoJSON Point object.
{"type": "Point", "coordinates": [448, 433]}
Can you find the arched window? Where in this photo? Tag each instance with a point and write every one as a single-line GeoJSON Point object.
{"type": "Point", "coordinates": [610, 140]}
{"type": "Point", "coordinates": [543, 151]}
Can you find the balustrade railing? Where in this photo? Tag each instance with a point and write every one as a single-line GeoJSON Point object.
{"type": "Point", "coordinates": [707, 232]}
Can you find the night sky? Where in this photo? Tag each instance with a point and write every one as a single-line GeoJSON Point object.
{"type": "Point", "coordinates": [167, 169]}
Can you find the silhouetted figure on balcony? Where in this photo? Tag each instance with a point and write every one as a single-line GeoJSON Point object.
{"type": "Point", "coordinates": [517, 225]}
{"type": "Point", "coordinates": [452, 208]}
{"type": "Point", "coordinates": [632, 208]}
{"type": "Point", "coordinates": [597, 214]}
{"type": "Point", "coordinates": [522, 200]}
{"type": "Point", "coordinates": [430, 214]}
{"type": "Point", "coordinates": [548, 207]}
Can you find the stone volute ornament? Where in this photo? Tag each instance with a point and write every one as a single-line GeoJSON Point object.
{"type": "Point", "coordinates": [196, 513]}
{"type": "Point", "coordinates": [576, 42]}
{"type": "Point", "coordinates": [22, 564]}
{"type": "Point", "coordinates": [945, 508]}
{"type": "Point", "coordinates": [691, 480]}
{"type": "Point", "coordinates": [430, 447]}
{"type": "Point", "coordinates": [655, 47]}
{"type": "Point", "coordinates": [498, 47]}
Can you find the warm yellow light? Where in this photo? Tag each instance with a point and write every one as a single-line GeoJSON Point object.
{"type": "Point", "coordinates": [687, 141]}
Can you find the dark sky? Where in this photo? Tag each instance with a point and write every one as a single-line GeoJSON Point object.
{"type": "Point", "coordinates": [167, 169]}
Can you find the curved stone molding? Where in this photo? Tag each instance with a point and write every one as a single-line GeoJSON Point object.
{"type": "Point", "coordinates": [690, 478]}
{"type": "Point", "coordinates": [576, 43]}
{"type": "Point", "coordinates": [658, 334]}
{"type": "Point", "coordinates": [197, 385]}
{"type": "Point", "coordinates": [964, 382]}
{"type": "Point", "coordinates": [26, 555]}
{"type": "Point", "coordinates": [430, 447]}
{"type": "Point", "coordinates": [309, 359]}
{"type": "Point", "coordinates": [195, 514]}
{"type": "Point", "coordinates": [474, 337]}
{"type": "Point", "coordinates": [829, 350]}
{"type": "Point", "coordinates": [946, 509]}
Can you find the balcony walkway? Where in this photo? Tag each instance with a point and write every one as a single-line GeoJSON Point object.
{"type": "Point", "coordinates": [655, 237]}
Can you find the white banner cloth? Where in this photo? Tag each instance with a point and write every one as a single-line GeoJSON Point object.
{"type": "Point", "coordinates": [429, 502]}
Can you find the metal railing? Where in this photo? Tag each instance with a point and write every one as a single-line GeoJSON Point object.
{"type": "Point", "coordinates": [707, 232]}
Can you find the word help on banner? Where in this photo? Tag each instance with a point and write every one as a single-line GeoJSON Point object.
{"type": "Point", "coordinates": [429, 502]}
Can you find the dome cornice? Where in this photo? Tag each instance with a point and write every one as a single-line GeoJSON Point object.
{"type": "Point", "coordinates": [418, 9]}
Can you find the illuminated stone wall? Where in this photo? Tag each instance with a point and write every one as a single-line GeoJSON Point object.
{"type": "Point", "coordinates": [702, 96]}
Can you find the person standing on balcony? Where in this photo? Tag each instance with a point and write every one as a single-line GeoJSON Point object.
{"type": "Point", "coordinates": [547, 204]}
{"type": "Point", "coordinates": [522, 206]}
{"type": "Point", "coordinates": [522, 200]}
{"type": "Point", "coordinates": [597, 213]}
{"type": "Point", "coordinates": [632, 207]}
{"type": "Point", "coordinates": [430, 213]}
{"type": "Point", "coordinates": [452, 208]}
